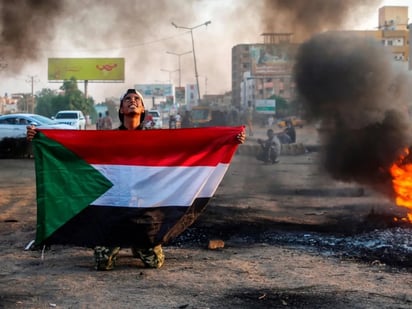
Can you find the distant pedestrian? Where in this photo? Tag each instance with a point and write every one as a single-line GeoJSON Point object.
{"type": "Point", "coordinates": [271, 120]}
{"type": "Point", "coordinates": [249, 118]}
{"type": "Point", "coordinates": [107, 123]}
{"type": "Point", "coordinates": [99, 122]}
{"type": "Point", "coordinates": [187, 121]}
{"type": "Point", "coordinates": [178, 120]}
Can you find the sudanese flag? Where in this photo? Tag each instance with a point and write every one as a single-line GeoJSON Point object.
{"type": "Point", "coordinates": [126, 188]}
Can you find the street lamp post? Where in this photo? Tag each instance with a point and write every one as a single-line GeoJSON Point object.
{"type": "Point", "coordinates": [170, 74]}
{"type": "Point", "coordinates": [180, 70]}
{"type": "Point", "coordinates": [193, 49]}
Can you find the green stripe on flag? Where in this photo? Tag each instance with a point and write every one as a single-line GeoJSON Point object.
{"type": "Point", "coordinates": [65, 183]}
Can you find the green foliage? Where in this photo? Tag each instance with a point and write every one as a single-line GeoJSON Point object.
{"type": "Point", "coordinates": [49, 102]}
{"type": "Point", "coordinates": [283, 107]}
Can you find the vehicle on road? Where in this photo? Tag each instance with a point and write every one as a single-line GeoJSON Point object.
{"type": "Point", "coordinates": [74, 118]}
{"type": "Point", "coordinates": [14, 125]}
{"type": "Point", "coordinates": [156, 118]}
{"type": "Point", "coordinates": [296, 122]}
{"type": "Point", "coordinates": [13, 130]}
{"type": "Point", "coordinates": [201, 116]}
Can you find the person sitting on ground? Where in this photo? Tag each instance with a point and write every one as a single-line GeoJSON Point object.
{"type": "Point", "coordinates": [270, 148]}
{"type": "Point", "coordinates": [290, 131]}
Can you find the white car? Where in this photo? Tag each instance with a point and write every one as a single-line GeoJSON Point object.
{"type": "Point", "coordinates": [73, 118]}
{"type": "Point", "coordinates": [14, 125]}
{"type": "Point", "coordinates": [156, 117]}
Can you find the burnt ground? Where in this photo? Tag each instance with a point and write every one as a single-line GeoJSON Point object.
{"type": "Point", "coordinates": [293, 238]}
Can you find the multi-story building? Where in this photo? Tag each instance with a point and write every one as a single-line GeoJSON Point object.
{"type": "Point", "coordinates": [262, 70]}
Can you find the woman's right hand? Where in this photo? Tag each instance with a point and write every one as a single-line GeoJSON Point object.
{"type": "Point", "coordinates": [31, 132]}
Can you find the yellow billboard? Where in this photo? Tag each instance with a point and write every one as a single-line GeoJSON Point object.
{"type": "Point", "coordinates": [90, 69]}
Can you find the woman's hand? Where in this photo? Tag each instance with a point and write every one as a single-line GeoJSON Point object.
{"type": "Point", "coordinates": [31, 132]}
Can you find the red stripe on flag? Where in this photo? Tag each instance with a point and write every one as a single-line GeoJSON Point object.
{"type": "Point", "coordinates": [179, 147]}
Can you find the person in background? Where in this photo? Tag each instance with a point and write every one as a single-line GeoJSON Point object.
{"type": "Point", "coordinates": [270, 148]}
{"type": "Point", "coordinates": [131, 115]}
{"type": "Point", "coordinates": [107, 123]}
{"type": "Point", "coordinates": [290, 131]}
{"type": "Point", "coordinates": [249, 118]}
{"type": "Point", "coordinates": [99, 121]}
{"type": "Point", "coordinates": [271, 121]}
{"type": "Point", "coordinates": [178, 120]}
{"type": "Point", "coordinates": [187, 121]}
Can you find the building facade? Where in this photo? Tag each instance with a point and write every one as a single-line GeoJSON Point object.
{"type": "Point", "coordinates": [262, 70]}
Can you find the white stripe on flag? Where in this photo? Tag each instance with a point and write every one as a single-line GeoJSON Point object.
{"type": "Point", "coordinates": [142, 186]}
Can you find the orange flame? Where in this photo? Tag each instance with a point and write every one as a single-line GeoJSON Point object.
{"type": "Point", "coordinates": [401, 172]}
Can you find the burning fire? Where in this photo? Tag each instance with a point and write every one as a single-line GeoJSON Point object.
{"type": "Point", "coordinates": [401, 172]}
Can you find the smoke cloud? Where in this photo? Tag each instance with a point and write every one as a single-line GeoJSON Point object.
{"type": "Point", "coordinates": [305, 18]}
{"type": "Point", "coordinates": [24, 26]}
{"type": "Point", "coordinates": [360, 98]}
{"type": "Point", "coordinates": [141, 32]}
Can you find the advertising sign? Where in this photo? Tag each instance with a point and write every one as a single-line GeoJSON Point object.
{"type": "Point", "coordinates": [271, 60]}
{"type": "Point", "coordinates": [90, 69]}
{"type": "Point", "coordinates": [191, 95]}
{"type": "Point", "coordinates": [265, 106]}
{"type": "Point", "coordinates": [180, 95]}
{"type": "Point", "coordinates": [155, 90]}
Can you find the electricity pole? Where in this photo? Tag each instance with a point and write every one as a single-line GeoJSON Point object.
{"type": "Point", "coordinates": [193, 49]}
{"type": "Point", "coordinates": [32, 79]}
{"type": "Point", "coordinates": [180, 69]}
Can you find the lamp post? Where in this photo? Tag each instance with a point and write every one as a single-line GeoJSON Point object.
{"type": "Point", "coordinates": [193, 49]}
{"type": "Point", "coordinates": [180, 71]}
{"type": "Point", "coordinates": [170, 74]}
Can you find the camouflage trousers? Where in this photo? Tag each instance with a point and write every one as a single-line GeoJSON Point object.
{"type": "Point", "coordinates": [105, 257]}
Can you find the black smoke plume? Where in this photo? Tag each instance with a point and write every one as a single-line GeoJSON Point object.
{"type": "Point", "coordinates": [359, 98]}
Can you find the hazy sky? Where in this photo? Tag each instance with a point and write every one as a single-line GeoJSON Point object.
{"type": "Point", "coordinates": [142, 33]}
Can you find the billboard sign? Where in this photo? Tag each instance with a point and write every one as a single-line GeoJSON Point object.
{"type": "Point", "coordinates": [271, 59]}
{"type": "Point", "coordinates": [265, 106]}
{"type": "Point", "coordinates": [155, 90]}
{"type": "Point", "coordinates": [90, 69]}
{"type": "Point", "coordinates": [191, 95]}
{"type": "Point", "coordinates": [180, 95]}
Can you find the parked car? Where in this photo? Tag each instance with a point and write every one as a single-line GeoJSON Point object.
{"type": "Point", "coordinates": [14, 125]}
{"type": "Point", "coordinates": [13, 128]}
{"type": "Point", "coordinates": [73, 118]}
{"type": "Point", "coordinates": [156, 118]}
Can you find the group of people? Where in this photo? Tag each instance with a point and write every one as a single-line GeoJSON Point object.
{"type": "Point", "coordinates": [131, 115]}
{"type": "Point", "coordinates": [104, 123]}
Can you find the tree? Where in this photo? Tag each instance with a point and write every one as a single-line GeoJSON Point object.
{"type": "Point", "coordinates": [44, 102]}
{"type": "Point", "coordinates": [75, 99]}
{"type": "Point", "coordinates": [283, 107]}
{"type": "Point", "coordinates": [49, 102]}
